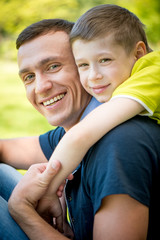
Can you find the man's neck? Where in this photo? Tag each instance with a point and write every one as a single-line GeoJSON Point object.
{"type": "Point", "coordinates": [92, 104]}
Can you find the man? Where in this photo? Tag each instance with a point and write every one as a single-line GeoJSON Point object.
{"type": "Point", "coordinates": [113, 194]}
{"type": "Point", "coordinates": [56, 77]}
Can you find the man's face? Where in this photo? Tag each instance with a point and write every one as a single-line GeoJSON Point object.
{"type": "Point", "coordinates": [50, 76]}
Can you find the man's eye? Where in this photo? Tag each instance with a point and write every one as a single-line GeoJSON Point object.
{"type": "Point", "coordinates": [28, 78]}
{"type": "Point", "coordinates": [53, 67]}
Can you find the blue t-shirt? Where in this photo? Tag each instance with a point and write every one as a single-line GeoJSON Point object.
{"type": "Point", "coordinates": [124, 161]}
{"type": "Point", "coordinates": [49, 140]}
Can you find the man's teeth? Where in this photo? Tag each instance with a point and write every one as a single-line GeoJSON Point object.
{"type": "Point", "coordinates": [53, 100]}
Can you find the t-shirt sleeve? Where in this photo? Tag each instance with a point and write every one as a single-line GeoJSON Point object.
{"type": "Point", "coordinates": [124, 166]}
{"type": "Point", "coordinates": [144, 84]}
{"type": "Point", "coordinates": [50, 140]}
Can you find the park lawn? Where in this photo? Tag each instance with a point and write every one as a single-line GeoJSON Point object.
{"type": "Point", "coordinates": [17, 116]}
{"type": "Point", "coordinates": [22, 171]}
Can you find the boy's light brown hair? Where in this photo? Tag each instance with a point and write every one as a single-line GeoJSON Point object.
{"type": "Point", "coordinates": [105, 19]}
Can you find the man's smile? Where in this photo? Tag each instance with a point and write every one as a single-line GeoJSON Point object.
{"type": "Point", "coordinates": [53, 100]}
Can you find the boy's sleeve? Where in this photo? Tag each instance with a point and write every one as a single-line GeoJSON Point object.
{"type": "Point", "coordinates": [144, 84]}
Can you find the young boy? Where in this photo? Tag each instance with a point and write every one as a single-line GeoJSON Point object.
{"type": "Point", "coordinates": [117, 67]}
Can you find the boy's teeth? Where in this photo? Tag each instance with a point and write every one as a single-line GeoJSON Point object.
{"type": "Point", "coordinates": [53, 100]}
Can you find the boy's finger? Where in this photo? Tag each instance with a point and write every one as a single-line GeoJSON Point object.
{"type": "Point", "coordinates": [70, 176]}
{"type": "Point", "coordinates": [59, 223]}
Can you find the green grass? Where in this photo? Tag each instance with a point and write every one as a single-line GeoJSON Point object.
{"type": "Point", "coordinates": [17, 116]}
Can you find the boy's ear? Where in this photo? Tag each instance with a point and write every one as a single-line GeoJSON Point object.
{"type": "Point", "coordinates": [140, 50]}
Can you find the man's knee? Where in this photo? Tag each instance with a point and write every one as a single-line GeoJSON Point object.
{"type": "Point", "coordinates": [7, 171]}
{"type": "Point", "coordinates": [9, 229]}
{"type": "Point", "coordinates": [9, 177]}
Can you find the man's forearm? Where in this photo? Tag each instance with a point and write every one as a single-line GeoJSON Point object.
{"type": "Point", "coordinates": [21, 152]}
{"type": "Point", "coordinates": [34, 226]}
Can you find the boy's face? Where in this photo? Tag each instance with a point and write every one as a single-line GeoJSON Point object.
{"type": "Point", "coordinates": [103, 65]}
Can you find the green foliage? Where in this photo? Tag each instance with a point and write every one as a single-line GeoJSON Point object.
{"type": "Point", "coordinates": [149, 13]}
{"type": "Point", "coordinates": [17, 14]}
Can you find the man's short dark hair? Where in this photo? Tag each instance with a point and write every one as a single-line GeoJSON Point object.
{"type": "Point", "coordinates": [42, 27]}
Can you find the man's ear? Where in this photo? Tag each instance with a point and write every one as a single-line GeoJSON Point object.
{"type": "Point", "coordinates": [140, 50]}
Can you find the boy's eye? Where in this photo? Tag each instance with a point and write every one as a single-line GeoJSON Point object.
{"type": "Point", "coordinates": [82, 65]}
{"type": "Point", "coordinates": [105, 60]}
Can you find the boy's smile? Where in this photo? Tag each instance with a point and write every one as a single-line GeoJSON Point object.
{"type": "Point", "coordinates": [103, 65]}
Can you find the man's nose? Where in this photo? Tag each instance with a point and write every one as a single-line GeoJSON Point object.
{"type": "Point", "coordinates": [43, 84]}
{"type": "Point", "coordinates": [94, 74]}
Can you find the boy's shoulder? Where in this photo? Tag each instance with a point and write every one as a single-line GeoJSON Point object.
{"type": "Point", "coordinates": [151, 59]}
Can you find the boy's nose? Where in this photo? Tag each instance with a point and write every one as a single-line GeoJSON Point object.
{"type": "Point", "coordinates": [94, 74]}
{"type": "Point", "coordinates": [43, 84]}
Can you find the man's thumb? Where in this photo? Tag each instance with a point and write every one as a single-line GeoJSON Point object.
{"type": "Point", "coordinates": [51, 170]}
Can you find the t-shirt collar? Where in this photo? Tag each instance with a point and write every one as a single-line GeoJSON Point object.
{"type": "Point", "coordinates": [92, 105]}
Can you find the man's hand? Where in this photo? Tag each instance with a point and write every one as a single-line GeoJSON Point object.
{"type": "Point", "coordinates": [32, 186]}
{"type": "Point", "coordinates": [49, 207]}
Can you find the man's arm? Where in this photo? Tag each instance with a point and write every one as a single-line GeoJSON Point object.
{"type": "Point", "coordinates": [35, 227]}
{"type": "Point", "coordinates": [24, 199]}
{"type": "Point", "coordinates": [21, 152]}
{"type": "Point", "coordinates": [121, 217]}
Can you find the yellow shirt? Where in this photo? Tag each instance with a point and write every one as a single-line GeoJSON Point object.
{"type": "Point", "coordinates": [144, 85]}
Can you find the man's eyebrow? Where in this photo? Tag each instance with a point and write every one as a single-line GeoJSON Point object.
{"type": "Point", "coordinates": [46, 60]}
{"type": "Point", "coordinates": [24, 70]}
{"type": "Point", "coordinates": [40, 63]}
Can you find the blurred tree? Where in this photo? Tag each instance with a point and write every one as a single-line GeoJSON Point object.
{"type": "Point", "coordinates": [149, 13]}
{"type": "Point", "coordinates": [17, 14]}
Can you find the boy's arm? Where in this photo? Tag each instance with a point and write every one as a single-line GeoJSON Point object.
{"type": "Point", "coordinates": [77, 141]}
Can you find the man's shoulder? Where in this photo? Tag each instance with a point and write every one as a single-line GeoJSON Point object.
{"type": "Point", "coordinates": [131, 145]}
{"type": "Point", "coordinates": [126, 137]}
{"type": "Point", "coordinates": [53, 135]}
{"type": "Point", "coordinates": [138, 126]}
{"type": "Point", "coordinates": [49, 140]}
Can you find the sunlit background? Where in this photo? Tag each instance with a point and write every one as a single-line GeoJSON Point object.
{"type": "Point", "coordinates": [17, 117]}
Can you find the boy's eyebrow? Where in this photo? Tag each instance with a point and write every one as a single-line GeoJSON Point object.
{"type": "Point", "coordinates": [79, 59]}
{"type": "Point", "coordinates": [39, 64]}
